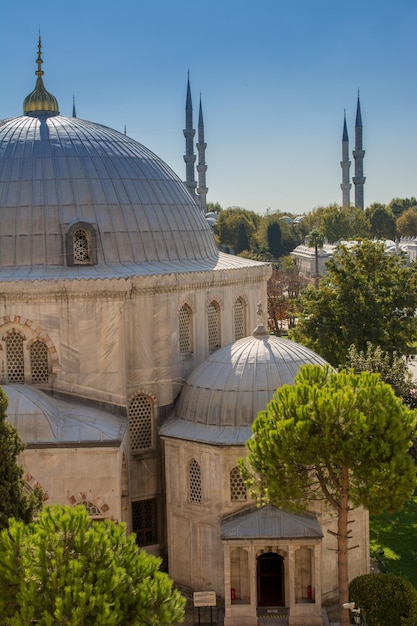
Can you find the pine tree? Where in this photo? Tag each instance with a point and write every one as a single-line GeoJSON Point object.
{"type": "Point", "coordinates": [66, 569]}
{"type": "Point", "coordinates": [14, 500]}
{"type": "Point", "coordinates": [341, 437]}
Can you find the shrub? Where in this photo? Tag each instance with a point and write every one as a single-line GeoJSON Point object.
{"type": "Point", "coordinates": [386, 600]}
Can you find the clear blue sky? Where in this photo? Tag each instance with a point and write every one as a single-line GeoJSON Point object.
{"type": "Point", "coordinates": [275, 78]}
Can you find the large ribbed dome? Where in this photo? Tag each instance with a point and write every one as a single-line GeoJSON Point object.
{"type": "Point", "coordinates": [224, 394]}
{"type": "Point", "coordinates": [58, 171]}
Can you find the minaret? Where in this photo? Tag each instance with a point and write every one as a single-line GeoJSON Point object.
{"type": "Point", "coordinates": [74, 113]}
{"type": "Point", "coordinates": [189, 132]}
{"type": "Point", "coordinates": [358, 154]}
{"type": "Point", "coordinates": [201, 167]}
{"type": "Point", "coordinates": [345, 165]}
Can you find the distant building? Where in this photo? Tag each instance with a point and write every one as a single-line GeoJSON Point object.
{"type": "Point", "coordinates": [358, 155]}
{"type": "Point", "coordinates": [306, 259]}
{"type": "Point", "coordinates": [198, 191]}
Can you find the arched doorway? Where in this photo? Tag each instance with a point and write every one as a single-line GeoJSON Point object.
{"type": "Point", "coordinates": [270, 575]}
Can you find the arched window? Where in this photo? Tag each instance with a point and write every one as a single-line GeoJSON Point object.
{"type": "Point", "coordinates": [194, 482]}
{"type": "Point", "coordinates": [185, 329]}
{"type": "Point", "coordinates": [92, 509]}
{"type": "Point", "coordinates": [213, 324]}
{"type": "Point", "coordinates": [14, 357]}
{"type": "Point", "coordinates": [39, 362]}
{"type": "Point", "coordinates": [237, 486]}
{"type": "Point", "coordinates": [141, 423]}
{"type": "Point", "coordinates": [239, 321]}
{"type": "Point", "coordinates": [81, 244]}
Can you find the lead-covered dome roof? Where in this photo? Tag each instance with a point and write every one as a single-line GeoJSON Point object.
{"type": "Point", "coordinates": [224, 395]}
{"type": "Point", "coordinates": [56, 171]}
{"type": "Point", "coordinates": [43, 419]}
{"type": "Point", "coordinates": [59, 172]}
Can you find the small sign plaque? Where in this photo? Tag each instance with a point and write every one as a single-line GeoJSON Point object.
{"type": "Point", "coordinates": [204, 598]}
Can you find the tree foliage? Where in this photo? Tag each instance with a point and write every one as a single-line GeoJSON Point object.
{"type": "Point", "coordinates": [14, 500]}
{"type": "Point", "coordinates": [315, 240]}
{"type": "Point", "coordinates": [407, 223]}
{"type": "Point", "coordinates": [399, 205]}
{"type": "Point", "coordinates": [366, 296]}
{"type": "Point", "coordinates": [274, 239]}
{"type": "Point", "coordinates": [65, 569]}
{"type": "Point", "coordinates": [283, 290]}
{"type": "Point", "coordinates": [342, 438]}
{"type": "Point", "coordinates": [385, 599]}
{"type": "Point", "coordinates": [337, 223]}
{"type": "Point", "coordinates": [229, 226]}
{"type": "Point", "coordinates": [392, 368]}
{"type": "Point", "coordinates": [381, 221]}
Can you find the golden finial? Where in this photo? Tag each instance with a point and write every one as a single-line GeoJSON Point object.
{"type": "Point", "coordinates": [40, 101]}
{"type": "Point", "coordinates": [39, 61]}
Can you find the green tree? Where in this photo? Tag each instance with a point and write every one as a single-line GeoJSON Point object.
{"type": "Point", "coordinates": [340, 223]}
{"type": "Point", "coordinates": [392, 368]}
{"type": "Point", "coordinates": [274, 238]}
{"type": "Point", "coordinates": [242, 238]}
{"type": "Point", "coordinates": [385, 599]}
{"type": "Point", "coordinates": [65, 569]}
{"type": "Point", "coordinates": [338, 437]}
{"type": "Point", "coordinates": [278, 234]}
{"type": "Point", "coordinates": [214, 207]}
{"type": "Point", "coordinates": [367, 295]}
{"type": "Point", "coordinates": [315, 240]}
{"type": "Point", "coordinates": [407, 223]}
{"type": "Point", "coordinates": [381, 221]}
{"type": "Point", "coordinates": [337, 223]}
{"type": "Point", "coordinates": [230, 223]}
{"type": "Point", "coordinates": [14, 500]}
{"type": "Point", "coordinates": [399, 205]}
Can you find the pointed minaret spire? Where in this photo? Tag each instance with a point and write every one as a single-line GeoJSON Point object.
{"type": "Point", "coordinates": [189, 132]}
{"type": "Point", "coordinates": [358, 155]}
{"type": "Point", "coordinates": [201, 167]}
{"type": "Point", "coordinates": [74, 113]}
{"type": "Point", "coordinates": [345, 165]}
{"type": "Point", "coordinates": [40, 101]}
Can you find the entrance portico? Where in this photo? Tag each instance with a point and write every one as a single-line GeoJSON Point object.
{"type": "Point", "coordinates": [272, 563]}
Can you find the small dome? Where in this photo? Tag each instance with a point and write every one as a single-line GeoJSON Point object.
{"type": "Point", "coordinates": [41, 418]}
{"type": "Point", "coordinates": [237, 381]}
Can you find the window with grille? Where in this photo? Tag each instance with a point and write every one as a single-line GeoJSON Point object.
{"type": "Point", "coordinates": [92, 509]}
{"type": "Point", "coordinates": [140, 423]}
{"type": "Point", "coordinates": [194, 482]}
{"type": "Point", "coordinates": [237, 486]}
{"type": "Point", "coordinates": [39, 362]}
{"type": "Point", "coordinates": [239, 319]}
{"type": "Point", "coordinates": [185, 330]}
{"type": "Point", "coordinates": [213, 314]}
{"type": "Point", "coordinates": [14, 356]}
{"type": "Point", "coordinates": [144, 522]}
{"type": "Point", "coordinates": [81, 246]}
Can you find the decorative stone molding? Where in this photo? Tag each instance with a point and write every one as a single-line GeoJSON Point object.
{"type": "Point", "coordinates": [36, 331]}
{"type": "Point", "coordinates": [85, 496]}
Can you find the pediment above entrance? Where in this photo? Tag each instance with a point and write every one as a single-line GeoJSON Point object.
{"type": "Point", "coordinates": [269, 523]}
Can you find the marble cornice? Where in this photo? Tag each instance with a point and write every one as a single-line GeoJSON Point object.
{"type": "Point", "coordinates": [125, 288]}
